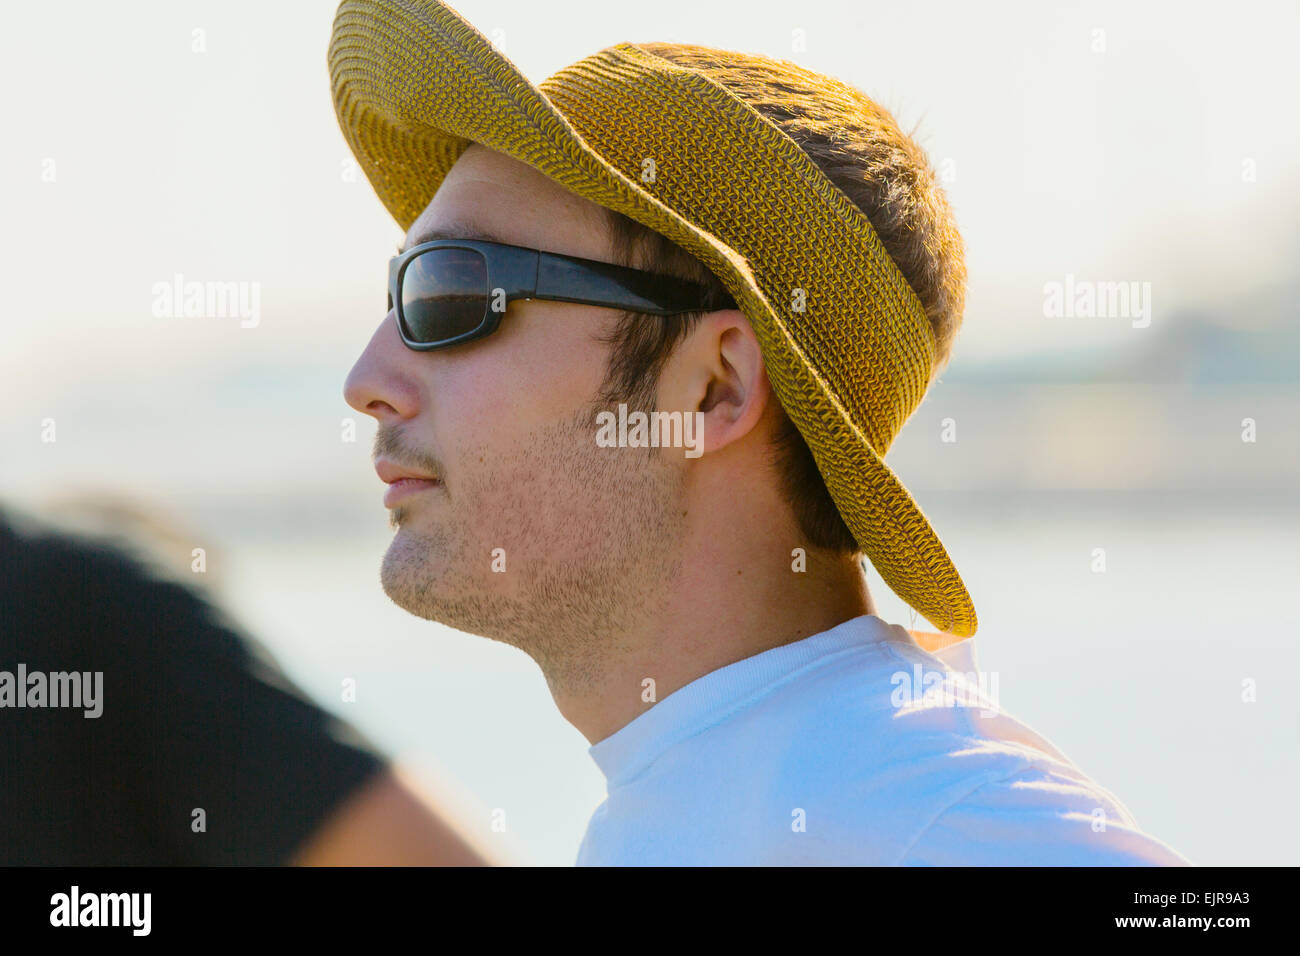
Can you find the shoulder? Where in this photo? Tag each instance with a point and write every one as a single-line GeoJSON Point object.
{"type": "Point", "coordinates": [917, 764]}
{"type": "Point", "coordinates": [997, 792]}
{"type": "Point", "coordinates": [1037, 816]}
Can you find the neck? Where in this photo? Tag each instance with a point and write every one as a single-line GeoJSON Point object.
{"type": "Point", "coordinates": [733, 596]}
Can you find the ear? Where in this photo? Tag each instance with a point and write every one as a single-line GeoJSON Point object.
{"type": "Point", "coordinates": [718, 372]}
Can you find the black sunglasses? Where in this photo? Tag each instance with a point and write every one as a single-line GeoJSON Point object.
{"type": "Point", "coordinates": [450, 291]}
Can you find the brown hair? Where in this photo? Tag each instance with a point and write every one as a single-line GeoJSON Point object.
{"type": "Point", "coordinates": [859, 146]}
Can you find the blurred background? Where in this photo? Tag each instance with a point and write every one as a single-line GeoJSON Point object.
{"type": "Point", "coordinates": [1118, 485]}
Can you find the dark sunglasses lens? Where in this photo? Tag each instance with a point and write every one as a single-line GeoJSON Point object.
{"type": "Point", "coordinates": [444, 294]}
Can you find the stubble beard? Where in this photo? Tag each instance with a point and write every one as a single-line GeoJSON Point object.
{"type": "Point", "coordinates": [590, 540]}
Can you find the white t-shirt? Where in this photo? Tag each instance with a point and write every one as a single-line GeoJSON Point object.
{"type": "Point", "coordinates": [851, 747]}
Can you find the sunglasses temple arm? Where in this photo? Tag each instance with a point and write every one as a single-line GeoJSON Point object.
{"type": "Point", "coordinates": [563, 279]}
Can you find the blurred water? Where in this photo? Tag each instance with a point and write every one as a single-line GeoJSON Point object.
{"type": "Point", "coordinates": [1136, 673]}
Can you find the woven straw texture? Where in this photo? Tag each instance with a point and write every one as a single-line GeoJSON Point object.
{"type": "Point", "coordinates": [846, 342]}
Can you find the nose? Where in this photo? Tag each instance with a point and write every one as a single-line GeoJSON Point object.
{"type": "Point", "coordinates": [381, 384]}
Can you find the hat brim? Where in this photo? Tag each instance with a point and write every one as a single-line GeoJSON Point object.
{"type": "Point", "coordinates": [414, 85]}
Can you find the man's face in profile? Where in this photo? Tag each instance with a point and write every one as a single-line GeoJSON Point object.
{"type": "Point", "coordinates": [531, 530]}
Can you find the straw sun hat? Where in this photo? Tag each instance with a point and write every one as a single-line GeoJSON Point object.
{"type": "Point", "coordinates": [846, 342]}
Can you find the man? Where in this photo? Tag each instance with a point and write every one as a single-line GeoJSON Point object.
{"type": "Point", "coordinates": [758, 254]}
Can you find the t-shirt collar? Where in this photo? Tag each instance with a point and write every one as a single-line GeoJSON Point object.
{"type": "Point", "coordinates": [707, 699]}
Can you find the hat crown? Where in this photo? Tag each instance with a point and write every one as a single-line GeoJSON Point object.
{"type": "Point", "coordinates": [719, 163]}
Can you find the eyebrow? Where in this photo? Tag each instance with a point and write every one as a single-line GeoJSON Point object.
{"type": "Point", "coordinates": [454, 231]}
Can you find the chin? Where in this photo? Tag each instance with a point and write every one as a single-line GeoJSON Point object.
{"type": "Point", "coordinates": [406, 563]}
{"type": "Point", "coordinates": [419, 577]}
{"type": "Point", "coordinates": [415, 573]}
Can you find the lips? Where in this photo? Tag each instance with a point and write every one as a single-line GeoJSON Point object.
{"type": "Point", "coordinates": [403, 482]}
{"type": "Point", "coordinates": [389, 473]}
